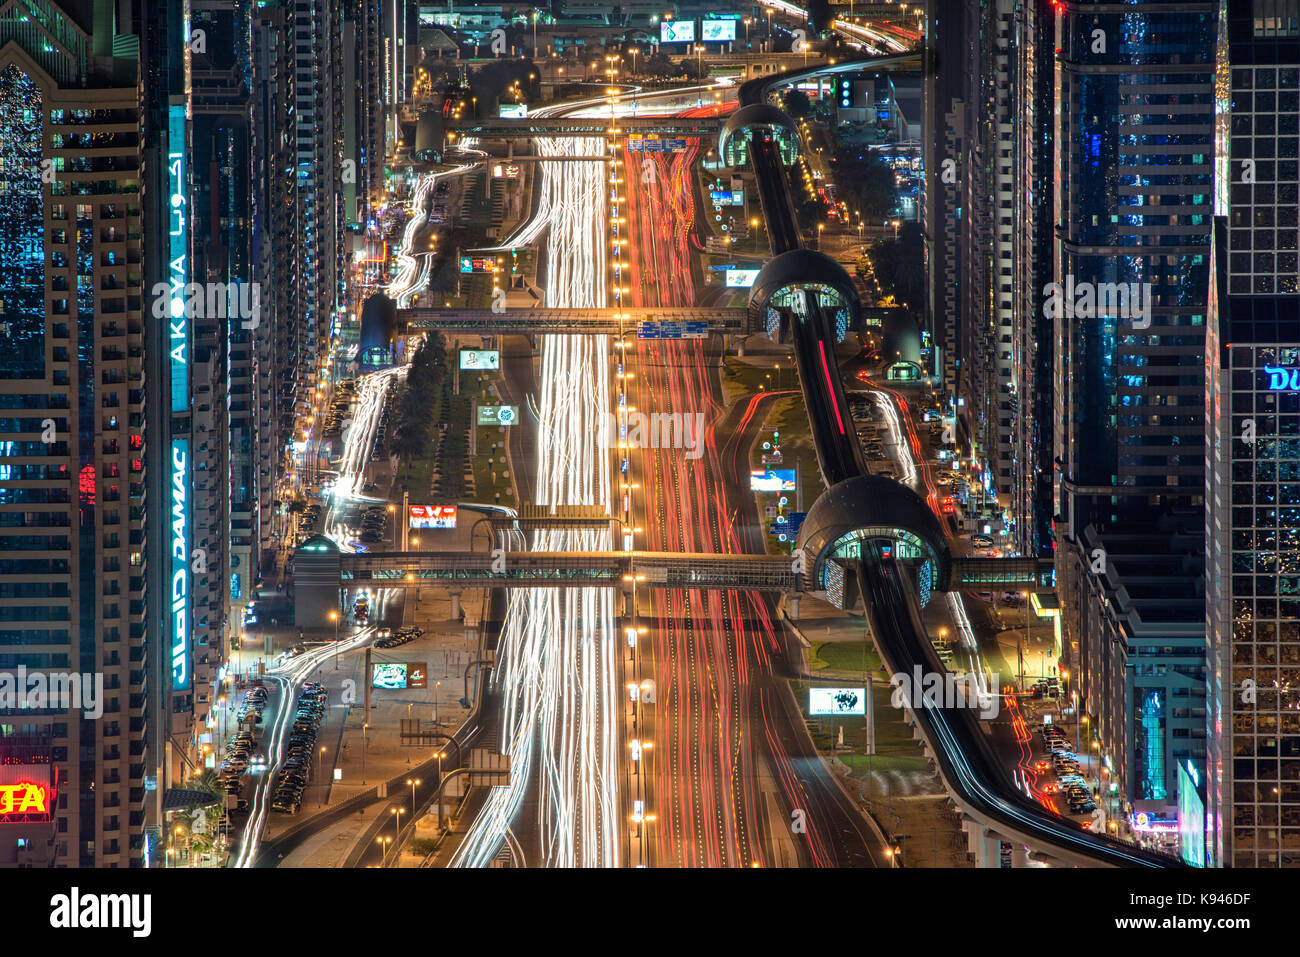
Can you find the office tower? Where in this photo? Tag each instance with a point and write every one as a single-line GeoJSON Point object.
{"type": "Point", "coordinates": [73, 502]}
{"type": "Point", "coordinates": [1253, 451]}
{"type": "Point", "coordinates": [1134, 145]}
{"type": "Point", "coordinates": [363, 113]}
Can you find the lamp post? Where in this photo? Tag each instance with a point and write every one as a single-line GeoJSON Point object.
{"type": "Point", "coordinates": [364, 729]}
{"type": "Point", "coordinates": [334, 617]}
{"type": "Point", "coordinates": [320, 774]}
{"type": "Point", "coordinates": [397, 813]}
{"type": "Point", "coordinates": [413, 782]}
{"type": "Point", "coordinates": [440, 755]}
{"type": "Point", "coordinates": [383, 849]}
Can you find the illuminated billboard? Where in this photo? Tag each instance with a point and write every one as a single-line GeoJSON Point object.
{"type": "Point", "coordinates": [727, 197]}
{"type": "Point", "coordinates": [740, 278]}
{"type": "Point", "coordinates": [478, 359]}
{"type": "Point", "coordinates": [717, 31]}
{"type": "Point", "coordinates": [677, 31]}
{"type": "Point", "coordinates": [498, 414]}
{"type": "Point", "coordinates": [388, 674]}
{"type": "Point", "coordinates": [399, 675]}
{"type": "Point", "coordinates": [178, 492]}
{"type": "Point", "coordinates": [512, 111]}
{"type": "Point", "coordinates": [840, 701]}
{"type": "Point", "coordinates": [433, 516]}
{"type": "Point", "coordinates": [771, 480]}
{"type": "Point", "coordinates": [477, 264]}
{"type": "Point", "coordinates": [1191, 814]}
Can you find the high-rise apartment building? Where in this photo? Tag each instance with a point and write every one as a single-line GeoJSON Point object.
{"type": "Point", "coordinates": [74, 505]}
{"type": "Point", "coordinates": [1253, 450]}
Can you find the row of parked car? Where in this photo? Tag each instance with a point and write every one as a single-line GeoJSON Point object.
{"type": "Point", "coordinates": [373, 518]}
{"type": "Point", "coordinates": [1065, 765]}
{"type": "Point", "coordinates": [391, 639]}
{"type": "Point", "coordinates": [344, 394]}
{"type": "Point", "coordinates": [295, 770]}
{"type": "Point", "coordinates": [381, 431]}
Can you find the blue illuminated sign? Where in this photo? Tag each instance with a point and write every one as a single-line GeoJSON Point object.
{"type": "Point", "coordinates": [180, 590]}
{"type": "Point", "coordinates": [178, 259]}
{"type": "Point", "coordinates": [1282, 379]}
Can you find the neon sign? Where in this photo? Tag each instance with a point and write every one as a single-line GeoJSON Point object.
{"type": "Point", "coordinates": [1283, 379]}
{"type": "Point", "coordinates": [24, 798]}
{"type": "Point", "coordinates": [180, 566]}
{"type": "Point", "coordinates": [178, 268]}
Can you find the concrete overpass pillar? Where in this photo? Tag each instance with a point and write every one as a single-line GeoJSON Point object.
{"type": "Point", "coordinates": [455, 604]}
{"type": "Point", "coordinates": [792, 606]}
{"type": "Point", "coordinates": [1019, 855]}
{"type": "Point", "coordinates": [985, 845]}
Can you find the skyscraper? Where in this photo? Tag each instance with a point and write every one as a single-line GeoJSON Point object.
{"type": "Point", "coordinates": [1134, 143]}
{"type": "Point", "coordinates": [73, 498]}
{"type": "Point", "coordinates": [1253, 451]}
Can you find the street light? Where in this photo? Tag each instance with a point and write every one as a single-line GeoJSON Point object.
{"type": "Point", "coordinates": [440, 755]}
{"type": "Point", "coordinates": [413, 782]}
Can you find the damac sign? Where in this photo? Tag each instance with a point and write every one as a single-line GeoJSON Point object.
{"type": "Point", "coordinates": [180, 568]}
{"type": "Point", "coordinates": [1283, 380]}
{"type": "Point", "coordinates": [23, 798]}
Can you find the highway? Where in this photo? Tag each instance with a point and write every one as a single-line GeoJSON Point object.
{"type": "Point", "coordinates": [558, 668]}
{"type": "Point", "coordinates": [721, 713]}
{"type": "Point", "coordinates": [964, 756]}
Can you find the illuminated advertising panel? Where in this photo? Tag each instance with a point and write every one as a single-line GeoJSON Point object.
{"type": "Point", "coordinates": [512, 111]}
{"type": "Point", "coordinates": [677, 31]}
{"type": "Point", "coordinates": [477, 264]}
{"type": "Point", "coordinates": [178, 259]}
{"type": "Point", "coordinates": [727, 197]}
{"type": "Point", "coordinates": [771, 480]}
{"type": "Point", "coordinates": [717, 31]}
{"type": "Point", "coordinates": [498, 414]}
{"type": "Point", "coordinates": [740, 278]}
{"type": "Point", "coordinates": [180, 567]}
{"type": "Point", "coordinates": [837, 701]}
{"type": "Point", "coordinates": [479, 359]}
{"type": "Point", "coordinates": [390, 675]}
{"type": "Point", "coordinates": [1191, 815]}
{"type": "Point", "coordinates": [433, 516]}
{"type": "Point", "coordinates": [1283, 378]}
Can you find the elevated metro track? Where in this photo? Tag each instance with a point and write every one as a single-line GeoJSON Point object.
{"type": "Point", "coordinates": [994, 807]}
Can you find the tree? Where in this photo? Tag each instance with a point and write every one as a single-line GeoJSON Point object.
{"type": "Point", "coordinates": [796, 103]}
{"type": "Point", "coordinates": [867, 182]}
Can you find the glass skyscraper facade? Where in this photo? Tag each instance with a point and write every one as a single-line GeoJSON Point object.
{"type": "Point", "coordinates": [1253, 454]}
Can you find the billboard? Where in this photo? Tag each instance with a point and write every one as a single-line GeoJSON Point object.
{"type": "Point", "coordinates": [727, 197]}
{"type": "Point", "coordinates": [180, 564]}
{"type": "Point", "coordinates": [505, 170]}
{"type": "Point", "coordinates": [740, 278]}
{"type": "Point", "coordinates": [717, 31]}
{"type": "Point", "coordinates": [1191, 815]}
{"type": "Point", "coordinates": [771, 480]}
{"type": "Point", "coordinates": [477, 264]}
{"type": "Point", "coordinates": [677, 31]}
{"type": "Point", "coordinates": [433, 516]}
{"type": "Point", "coordinates": [399, 675]}
{"type": "Point", "coordinates": [498, 414]}
{"type": "Point", "coordinates": [478, 359]}
{"type": "Point", "coordinates": [513, 111]}
{"type": "Point", "coordinates": [388, 674]}
{"type": "Point", "coordinates": [840, 701]}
